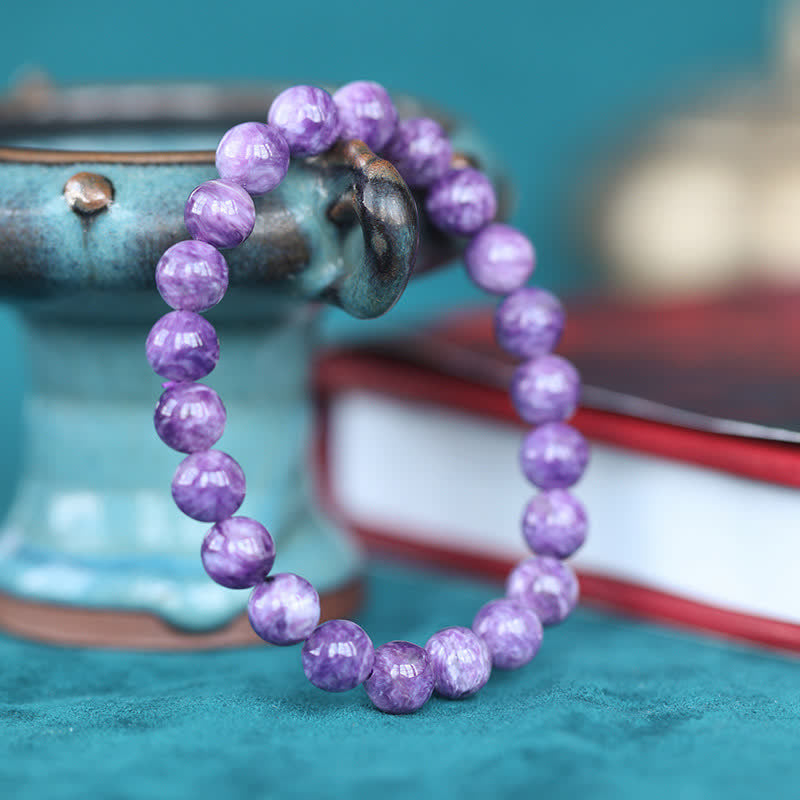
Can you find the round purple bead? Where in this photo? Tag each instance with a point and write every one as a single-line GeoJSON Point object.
{"type": "Point", "coordinates": [208, 486]}
{"type": "Point", "coordinates": [284, 609]}
{"type": "Point", "coordinates": [461, 662]}
{"type": "Point", "coordinates": [500, 259]}
{"type": "Point", "coordinates": [420, 151]}
{"type": "Point", "coordinates": [529, 322]}
{"type": "Point", "coordinates": [307, 118]}
{"type": "Point", "coordinates": [238, 552]}
{"type": "Point", "coordinates": [220, 212]}
{"type": "Point", "coordinates": [254, 155]}
{"type": "Point", "coordinates": [366, 112]}
{"type": "Point", "coordinates": [189, 417]}
{"type": "Point", "coordinates": [512, 632]}
{"type": "Point", "coordinates": [402, 678]}
{"type": "Point", "coordinates": [182, 346]}
{"type": "Point", "coordinates": [545, 389]}
{"type": "Point", "coordinates": [554, 523]}
{"type": "Point", "coordinates": [554, 456]}
{"type": "Point", "coordinates": [338, 656]}
{"type": "Point", "coordinates": [545, 585]}
{"type": "Point", "coordinates": [192, 276]}
{"type": "Point", "coordinates": [461, 202]}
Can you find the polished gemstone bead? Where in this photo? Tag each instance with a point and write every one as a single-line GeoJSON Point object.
{"type": "Point", "coordinates": [402, 678]}
{"type": "Point", "coordinates": [554, 456]}
{"type": "Point", "coordinates": [238, 552]}
{"type": "Point", "coordinates": [529, 322]}
{"type": "Point", "coordinates": [338, 656]}
{"type": "Point", "coordinates": [307, 118]}
{"type": "Point", "coordinates": [284, 609]}
{"type": "Point", "coordinates": [461, 662]}
{"type": "Point", "coordinates": [461, 202]}
{"type": "Point", "coordinates": [545, 585]}
{"type": "Point", "coordinates": [182, 346]}
{"type": "Point", "coordinates": [189, 417]}
{"type": "Point", "coordinates": [254, 155]}
{"type": "Point", "coordinates": [420, 151]}
{"type": "Point", "coordinates": [220, 212]}
{"type": "Point", "coordinates": [554, 523]}
{"type": "Point", "coordinates": [208, 486]}
{"type": "Point", "coordinates": [545, 389]}
{"type": "Point", "coordinates": [500, 259]}
{"type": "Point", "coordinates": [512, 632]}
{"type": "Point", "coordinates": [192, 276]}
{"type": "Point", "coordinates": [366, 112]}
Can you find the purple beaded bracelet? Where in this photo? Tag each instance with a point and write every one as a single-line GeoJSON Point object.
{"type": "Point", "coordinates": [237, 552]}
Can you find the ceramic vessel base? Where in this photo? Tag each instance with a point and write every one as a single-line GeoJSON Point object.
{"type": "Point", "coordinates": [139, 630]}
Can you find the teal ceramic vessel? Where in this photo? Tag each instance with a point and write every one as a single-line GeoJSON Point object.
{"type": "Point", "coordinates": [93, 182]}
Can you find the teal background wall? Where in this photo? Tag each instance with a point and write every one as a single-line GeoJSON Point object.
{"type": "Point", "coordinates": [550, 84]}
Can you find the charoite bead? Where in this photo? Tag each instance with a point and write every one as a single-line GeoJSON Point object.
{"type": "Point", "coordinates": [220, 212]}
{"type": "Point", "coordinates": [284, 609]}
{"type": "Point", "coordinates": [189, 417]}
{"type": "Point", "coordinates": [554, 523]}
{"type": "Point", "coordinates": [338, 656]}
{"type": "Point", "coordinates": [366, 112]}
{"type": "Point", "coordinates": [420, 151]}
{"type": "Point", "coordinates": [554, 456]}
{"type": "Point", "coordinates": [238, 552]}
{"type": "Point", "coordinates": [192, 276]}
{"type": "Point", "coordinates": [182, 346]}
{"type": "Point", "coordinates": [254, 155]}
{"type": "Point", "coordinates": [500, 259]}
{"type": "Point", "coordinates": [545, 389]}
{"type": "Point", "coordinates": [512, 632]}
{"type": "Point", "coordinates": [461, 202]}
{"type": "Point", "coordinates": [402, 678]}
{"type": "Point", "coordinates": [545, 585]}
{"type": "Point", "coordinates": [529, 322]}
{"type": "Point", "coordinates": [461, 662]}
{"type": "Point", "coordinates": [307, 118]}
{"type": "Point", "coordinates": [208, 486]}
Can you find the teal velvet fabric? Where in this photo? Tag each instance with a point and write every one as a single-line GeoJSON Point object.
{"type": "Point", "coordinates": [610, 708]}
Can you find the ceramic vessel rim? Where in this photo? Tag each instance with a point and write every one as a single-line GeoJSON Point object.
{"type": "Point", "coordinates": [37, 155]}
{"type": "Point", "coordinates": [230, 101]}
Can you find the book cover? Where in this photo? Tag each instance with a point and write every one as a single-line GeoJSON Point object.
{"type": "Point", "coordinates": [692, 409]}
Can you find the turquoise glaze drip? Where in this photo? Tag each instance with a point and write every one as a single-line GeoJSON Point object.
{"type": "Point", "coordinates": [92, 523]}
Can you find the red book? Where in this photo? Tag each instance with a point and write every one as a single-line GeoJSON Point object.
{"type": "Point", "coordinates": [693, 490]}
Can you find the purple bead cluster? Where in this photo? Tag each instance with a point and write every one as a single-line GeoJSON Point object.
{"type": "Point", "coordinates": [237, 552]}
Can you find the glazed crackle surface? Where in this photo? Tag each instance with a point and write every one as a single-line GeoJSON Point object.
{"type": "Point", "coordinates": [609, 709]}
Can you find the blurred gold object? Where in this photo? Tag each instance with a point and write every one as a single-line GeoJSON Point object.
{"type": "Point", "coordinates": [709, 198]}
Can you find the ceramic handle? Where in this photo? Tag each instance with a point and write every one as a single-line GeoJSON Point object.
{"type": "Point", "coordinates": [378, 201]}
